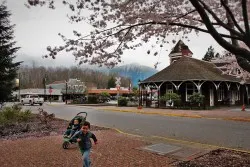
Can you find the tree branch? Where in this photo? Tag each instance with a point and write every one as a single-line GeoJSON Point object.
{"type": "Point", "coordinates": [214, 33]}
{"type": "Point", "coordinates": [232, 16]}
{"type": "Point", "coordinates": [201, 30]}
{"type": "Point", "coordinates": [122, 39]}
{"type": "Point", "coordinates": [245, 17]}
{"type": "Point", "coordinates": [184, 15]}
{"type": "Point", "coordinates": [159, 23]}
{"type": "Point", "coordinates": [218, 20]}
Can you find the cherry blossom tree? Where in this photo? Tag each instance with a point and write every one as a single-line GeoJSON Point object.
{"type": "Point", "coordinates": [119, 25]}
{"type": "Point", "coordinates": [231, 66]}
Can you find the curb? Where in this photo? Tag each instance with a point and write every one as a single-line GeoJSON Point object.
{"type": "Point", "coordinates": [202, 144]}
{"type": "Point", "coordinates": [182, 141]}
{"type": "Point", "coordinates": [238, 119]}
{"type": "Point", "coordinates": [176, 115]}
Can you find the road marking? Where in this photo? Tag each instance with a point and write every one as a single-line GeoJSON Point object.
{"type": "Point", "coordinates": [181, 141]}
{"type": "Point", "coordinates": [119, 131]}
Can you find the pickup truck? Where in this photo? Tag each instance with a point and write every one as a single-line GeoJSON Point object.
{"type": "Point", "coordinates": [32, 99]}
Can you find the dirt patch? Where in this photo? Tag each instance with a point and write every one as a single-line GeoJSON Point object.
{"type": "Point", "coordinates": [34, 128]}
{"type": "Point", "coordinates": [219, 158]}
{"type": "Point", "coordinates": [113, 150]}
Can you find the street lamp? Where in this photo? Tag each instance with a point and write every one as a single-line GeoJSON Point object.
{"type": "Point", "coordinates": [139, 84]}
{"type": "Point", "coordinates": [17, 85]}
{"type": "Point", "coordinates": [66, 92]}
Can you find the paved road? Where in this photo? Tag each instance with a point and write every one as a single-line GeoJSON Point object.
{"type": "Point", "coordinates": [217, 132]}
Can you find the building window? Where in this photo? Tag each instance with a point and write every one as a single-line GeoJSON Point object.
{"type": "Point", "coordinates": [170, 88]}
{"type": "Point", "coordinates": [190, 89]}
{"type": "Point", "coordinates": [221, 93]}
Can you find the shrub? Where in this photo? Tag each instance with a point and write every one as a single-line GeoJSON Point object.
{"type": "Point", "coordinates": [122, 101]}
{"type": "Point", "coordinates": [104, 97]}
{"type": "Point", "coordinates": [10, 115]}
{"type": "Point", "coordinates": [3, 120]}
{"type": "Point", "coordinates": [76, 101]}
{"type": "Point", "coordinates": [92, 99]}
{"type": "Point", "coordinates": [175, 98]}
{"type": "Point", "coordinates": [25, 116]}
{"type": "Point", "coordinates": [45, 117]}
{"type": "Point", "coordinates": [196, 98]}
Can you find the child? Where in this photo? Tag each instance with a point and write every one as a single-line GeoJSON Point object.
{"type": "Point", "coordinates": [84, 142]}
{"type": "Point", "coordinates": [75, 127]}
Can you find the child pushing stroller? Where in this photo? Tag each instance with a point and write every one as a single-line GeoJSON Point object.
{"type": "Point", "coordinates": [78, 132]}
{"type": "Point", "coordinates": [73, 127]}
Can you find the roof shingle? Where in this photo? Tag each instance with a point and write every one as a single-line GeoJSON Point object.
{"type": "Point", "coordinates": [187, 68]}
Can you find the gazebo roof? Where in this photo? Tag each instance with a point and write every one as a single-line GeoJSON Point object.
{"type": "Point", "coordinates": [179, 47]}
{"type": "Point", "coordinates": [187, 68]}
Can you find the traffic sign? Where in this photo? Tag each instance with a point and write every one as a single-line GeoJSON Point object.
{"type": "Point", "coordinates": [50, 90]}
{"type": "Point", "coordinates": [118, 81]}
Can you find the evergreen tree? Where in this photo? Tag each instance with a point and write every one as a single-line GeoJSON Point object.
{"type": "Point", "coordinates": [111, 83]}
{"type": "Point", "coordinates": [209, 55]}
{"type": "Point", "coordinates": [8, 68]}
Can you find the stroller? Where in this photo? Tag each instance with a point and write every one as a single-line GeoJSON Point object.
{"type": "Point", "coordinates": [81, 117]}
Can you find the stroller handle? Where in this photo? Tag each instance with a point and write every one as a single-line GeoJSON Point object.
{"type": "Point", "coordinates": [82, 113]}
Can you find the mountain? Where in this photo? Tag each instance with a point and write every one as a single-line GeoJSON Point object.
{"type": "Point", "coordinates": [134, 71]}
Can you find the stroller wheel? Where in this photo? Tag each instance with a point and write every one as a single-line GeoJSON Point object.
{"type": "Point", "coordinates": [65, 145]}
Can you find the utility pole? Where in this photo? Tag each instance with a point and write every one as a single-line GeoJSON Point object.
{"type": "Point", "coordinates": [66, 100]}
{"type": "Point", "coordinates": [44, 84]}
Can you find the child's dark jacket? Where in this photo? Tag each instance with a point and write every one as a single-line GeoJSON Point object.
{"type": "Point", "coordinates": [85, 142]}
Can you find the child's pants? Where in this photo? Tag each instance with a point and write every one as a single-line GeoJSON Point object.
{"type": "Point", "coordinates": [85, 158]}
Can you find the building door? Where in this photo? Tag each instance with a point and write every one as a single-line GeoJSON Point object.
{"type": "Point", "coordinates": [170, 89]}
{"type": "Point", "coordinates": [211, 97]}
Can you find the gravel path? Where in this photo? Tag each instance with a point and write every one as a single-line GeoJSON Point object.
{"type": "Point", "coordinates": [113, 150]}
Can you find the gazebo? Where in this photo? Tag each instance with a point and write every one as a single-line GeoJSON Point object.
{"type": "Point", "coordinates": [186, 75]}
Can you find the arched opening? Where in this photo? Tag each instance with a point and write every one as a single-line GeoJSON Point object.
{"type": "Point", "coordinates": [186, 89]}
{"type": "Point", "coordinates": [234, 93]}
{"type": "Point", "coordinates": [223, 94]}
{"type": "Point", "coordinates": [164, 88]}
{"type": "Point", "coordinates": [247, 87]}
{"type": "Point", "coordinates": [208, 89]}
{"type": "Point", "coordinates": [152, 95]}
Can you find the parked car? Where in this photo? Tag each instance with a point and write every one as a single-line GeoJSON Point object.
{"type": "Point", "coordinates": [32, 99]}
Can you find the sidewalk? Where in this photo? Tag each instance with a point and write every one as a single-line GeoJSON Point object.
{"type": "Point", "coordinates": [113, 150]}
{"type": "Point", "coordinates": [227, 113]}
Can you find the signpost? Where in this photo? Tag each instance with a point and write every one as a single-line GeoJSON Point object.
{"type": "Point", "coordinates": [118, 85]}
{"type": "Point", "coordinates": [50, 91]}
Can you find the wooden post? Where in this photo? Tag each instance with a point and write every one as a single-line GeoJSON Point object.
{"type": "Point", "coordinates": [159, 91]}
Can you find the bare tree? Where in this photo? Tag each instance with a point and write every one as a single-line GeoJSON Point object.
{"type": "Point", "coordinates": [32, 77]}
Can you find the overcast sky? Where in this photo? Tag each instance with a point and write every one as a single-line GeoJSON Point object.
{"type": "Point", "coordinates": [36, 28]}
